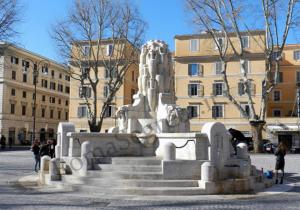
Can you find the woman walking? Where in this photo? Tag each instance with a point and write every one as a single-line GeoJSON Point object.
{"type": "Point", "coordinates": [280, 153]}
{"type": "Point", "coordinates": [35, 148]}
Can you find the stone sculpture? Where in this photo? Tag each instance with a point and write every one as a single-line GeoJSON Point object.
{"type": "Point", "coordinates": [154, 109]}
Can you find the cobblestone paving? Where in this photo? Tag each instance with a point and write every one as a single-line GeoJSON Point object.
{"type": "Point", "coordinates": [16, 164]}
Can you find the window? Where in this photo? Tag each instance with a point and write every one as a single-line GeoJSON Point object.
{"type": "Point", "coordinates": [43, 112]}
{"type": "Point", "coordinates": [297, 55]}
{"type": "Point", "coordinates": [24, 94]}
{"type": "Point", "coordinates": [245, 41]}
{"type": "Point", "coordinates": [66, 115]}
{"type": "Point", "coordinates": [247, 110]}
{"type": "Point", "coordinates": [298, 76]}
{"type": "Point", "coordinates": [23, 110]}
{"type": "Point", "coordinates": [85, 92]}
{"type": "Point", "coordinates": [43, 98]}
{"type": "Point", "coordinates": [220, 44]}
{"type": "Point", "coordinates": [25, 66]}
{"type": "Point", "coordinates": [217, 111]}
{"type": "Point", "coordinates": [52, 74]}
{"type": "Point", "coordinates": [86, 50]}
{"type": "Point", "coordinates": [109, 112]}
{"type": "Point", "coordinates": [275, 55]}
{"type": "Point", "coordinates": [59, 101]}
{"type": "Point", "coordinates": [67, 77]}
{"type": "Point", "coordinates": [52, 100]}
{"type": "Point", "coordinates": [58, 114]}
{"type": "Point", "coordinates": [241, 88]}
{"type": "Point", "coordinates": [13, 75]}
{"type": "Point", "coordinates": [219, 67]}
{"type": "Point", "coordinates": [67, 103]}
{"type": "Point", "coordinates": [109, 50]}
{"type": "Point", "coordinates": [194, 45]}
{"type": "Point", "coordinates": [14, 60]}
{"type": "Point", "coordinates": [106, 91]}
{"type": "Point", "coordinates": [60, 75]}
{"type": "Point", "coordinates": [195, 90]}
{"type": "Point", "coordinates": [51, 113]}
{"type": "Point", "coordinates": [195, 69]}
{"type": "Point", "coordinates": [60, 88]}
{"type": "Point", "coordinates": [110, 72]}
{"type": "Point", "coordinates": [82, 111]}
{"type": "Point", "coordinates": [24, 77]}
{"type": "Point", "coordinates": [52, 86]}
{"type": "Point", "coordinates": [67, 89]}
{"type": "Point", "coordinates": [246, 66]}
{"type": "Point", "coordinates": [45, 70]}
{"type": "Point", "coordinates": [12, 108]}
{"type": "Point", "coordinates": [218, 89]}
{"type": "Point", "coordinates": [44, 83]}
{"type": "Point", "coordinates": [280, 77]}
{"type": "Point", "coordinates": [276, 112]}
{"type": "Point", "coordinates": [132, 76]}
{"type": "Point", "coordinates": [192, 111]}
{"type": "Point", "coordinates": [13, 92]}
{"type": "Point", "coordinates": [85, 73]}
{"type": "Point", "coordinates": [276, 95]}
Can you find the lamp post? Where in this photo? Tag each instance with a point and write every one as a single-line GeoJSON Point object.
{"type": "Point", "coordinates": [36, 65]}
{"type": "Point", "coordinates": [35, 76]}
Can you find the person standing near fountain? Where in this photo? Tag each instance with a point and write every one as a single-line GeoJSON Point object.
{"type": "Point", "coordinates": [280, 162]}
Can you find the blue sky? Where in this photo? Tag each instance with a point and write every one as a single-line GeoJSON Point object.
{"type": "Point", "coordinates": [166, 18]}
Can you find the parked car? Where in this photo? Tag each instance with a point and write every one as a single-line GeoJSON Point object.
{"type": "Point", "coordinates": [269, 147]}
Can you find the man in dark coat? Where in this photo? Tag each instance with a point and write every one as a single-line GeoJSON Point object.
{"type": "Point", "coordinates": [237, 137]}
{"type": "Point", "coordinates": [45, 149]}
{"type": "Point", "coordinates": [3, 142]}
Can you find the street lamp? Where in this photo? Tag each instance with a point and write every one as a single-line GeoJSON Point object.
{"type": "Point", "coordinates": [35, 73]}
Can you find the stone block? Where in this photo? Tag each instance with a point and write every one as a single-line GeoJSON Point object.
{"type": "Point", "coordinates": [182, 169]}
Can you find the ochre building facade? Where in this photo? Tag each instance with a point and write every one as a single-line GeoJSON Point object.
{"type": "Point", "coordinates": [17, 94]}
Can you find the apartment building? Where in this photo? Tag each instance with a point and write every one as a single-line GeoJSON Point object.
{"type": "Point", "coordinates": [78, 107]}
{"type": "Point", "coordinates": [17, 93]}
{"type": "Point", "coordinates": [283, 122]}
{"type": "Point", "coordinates": [198, 81]}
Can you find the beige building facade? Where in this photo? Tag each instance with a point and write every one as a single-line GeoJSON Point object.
{"type": "Point", "coordinates": [78, 108]}
{"type": "Point", "coordinates": [199, 85]}
{"type": "Point", "coordinates": [17, 94]}
{"type": "Point", "coordinates": [283, 110]}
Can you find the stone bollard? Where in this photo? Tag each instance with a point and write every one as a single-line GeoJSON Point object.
{"type": "Point", "coordinates": [44, 168]}
{"type": "Point", "coordinates": [58, 151]}
{"type": "Point", "coordinates": [242, 151]}
{"type": "Point", "coordinates": [54, 169]}
{"type": "Point", "coordinates": [169, 151]}
{"type": "Point", "coordinates": [208, 172]}
{"type": "Point", "coordinates": [86, 156]}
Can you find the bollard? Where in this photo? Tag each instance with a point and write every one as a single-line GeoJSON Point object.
{"type": "Point", "coordinates": [54, 169]}
{"type": "Point", "coordinates": [208, 172]}
{"type": "Point", "coordinates": [242, 151]}
{"type": "Point", "coordinates": [169, 151]}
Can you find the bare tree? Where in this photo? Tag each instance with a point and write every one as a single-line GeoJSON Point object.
{"type": "Point", "coordinates": [83, 39]}
{"type": "Point", "coordinates": [9, 16]}
{"type": "Point", "coordinates": [226, 19]}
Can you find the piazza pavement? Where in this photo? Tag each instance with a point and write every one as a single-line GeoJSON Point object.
{"type": "Point", "coordinates": [16, 164]}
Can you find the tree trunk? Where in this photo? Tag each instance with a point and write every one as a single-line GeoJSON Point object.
{"type": "Point", "coordinates": [257, 128]}
{"type": "Point", "coordinates": [94, 125]}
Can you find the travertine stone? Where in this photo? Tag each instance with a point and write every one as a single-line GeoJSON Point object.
{"type": "Point", "coordinates": [169, 151]}
{"type": "Point", "coordinates": [54, 169]}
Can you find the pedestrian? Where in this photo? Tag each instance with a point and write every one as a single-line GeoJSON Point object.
{"type": "Point", "coordinates": [3, 142]}
{"type": "Point", "coordinates": [280, 162]}
{"type": "Point", "coordinates": [35, 148]}
{"type": "Point", "coordinates": [45, 149]}
{"type": "Point", "coordinates": [52, 148]}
